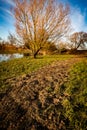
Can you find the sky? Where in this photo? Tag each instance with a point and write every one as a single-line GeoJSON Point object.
{"type": "Point", "coordinates": [78, 16]}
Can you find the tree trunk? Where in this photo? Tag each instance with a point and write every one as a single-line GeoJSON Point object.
{"type": "Point", "coordinates": [34, 56]}
{"type": "Point", "coordinates": [35, 53]}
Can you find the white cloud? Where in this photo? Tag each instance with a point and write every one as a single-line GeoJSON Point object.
{"type": "Point", "coordinates": [7, 19]}
{"type": "Point", "coordinates": [78, 20]}
{"type": "Point", "coordinates": [5, 31]}
{"type": "Point", "coordinates": [7, 11]}
{"type": "Point", "coordinates": [10, 2]}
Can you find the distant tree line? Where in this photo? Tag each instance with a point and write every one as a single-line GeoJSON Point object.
{"type": "Point", "coordinates": [76, 41]}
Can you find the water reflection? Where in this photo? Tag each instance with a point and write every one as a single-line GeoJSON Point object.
{"type": "Point", "coordinates": [5, 57]}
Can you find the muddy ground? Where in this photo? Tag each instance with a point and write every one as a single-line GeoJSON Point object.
{"type": "Point", "coordinates": [34, 101]}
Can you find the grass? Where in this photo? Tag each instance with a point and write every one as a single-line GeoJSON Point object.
{"type": "Point", "coordinates": [25, 65]}
{"type": "Point", "coordinates": [76, 88]}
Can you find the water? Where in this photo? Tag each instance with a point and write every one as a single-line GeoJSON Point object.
{"type": "Point", "coordinates": [6, 57]}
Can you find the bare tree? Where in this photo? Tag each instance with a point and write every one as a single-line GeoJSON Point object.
{"type": "Point", "coordinates": [40, 21]}
{"type": "Point", "coordinates": [78, 40]}
{"type": "Point", "coordinates": [12, 39]}
{"type": "Point", "coordinates": [62, 46]}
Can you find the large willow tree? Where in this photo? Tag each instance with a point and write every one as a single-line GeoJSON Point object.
{"type": "Point", "coordinates": [40, 21]}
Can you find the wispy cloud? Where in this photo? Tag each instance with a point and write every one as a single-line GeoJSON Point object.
{"type": "Point", "coordinates": [6, 11]}
{"type": "Point", "coordinates": [10, 2]}
{"type": "Point", "coordinates": [8, 19]}
{"type": "Point", "coordinates": [5, 31]}
{"type": "Point", "coordinates": [78, 20]}
{"type": "Point", "coordinates": [78, 15]}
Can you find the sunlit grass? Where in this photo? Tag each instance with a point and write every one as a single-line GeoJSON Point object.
{"type": "Point", "coordinates": [25, 65]}
{"type": "Point", "coordinates": [76, 88]}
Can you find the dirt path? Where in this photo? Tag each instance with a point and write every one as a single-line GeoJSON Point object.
{"type": "Point", "coordinates": [35, 101]}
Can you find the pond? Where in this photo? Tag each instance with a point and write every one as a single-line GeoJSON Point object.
{"type": "Point", "coordinates": [6, 57]}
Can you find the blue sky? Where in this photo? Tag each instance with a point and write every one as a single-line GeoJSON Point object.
{"type": "Point", "coordinates": [6, 18]}
{"type": "Point", "coordinates": [78, 16]}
